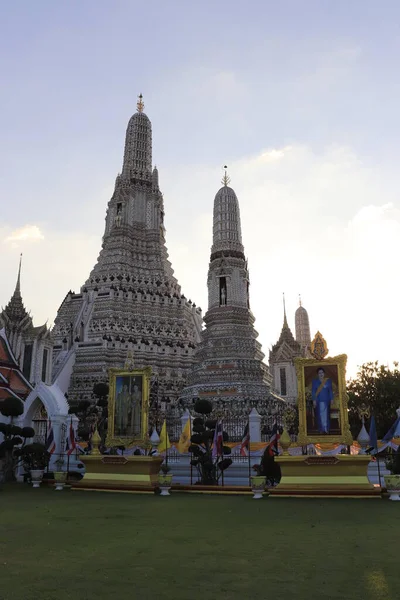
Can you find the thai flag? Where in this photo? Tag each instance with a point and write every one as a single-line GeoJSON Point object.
{"type": "Point", "coordinates": [244, 446]}
{"type": "Point", "coordinates": [218, 441]}
{"type": "Point", "coordinates": [50, 441]}
{"type": "Point", "coordinates": [274, 439]}
{"type": "Point", "coordinates": [71, 442]}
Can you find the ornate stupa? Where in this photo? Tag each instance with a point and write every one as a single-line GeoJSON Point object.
{"type": "Point", "coordinates": [229, 369]}
{"type": "Point", "coordinates": [131, 302]}
{"type": "Point", "coordinates": [302, 328]}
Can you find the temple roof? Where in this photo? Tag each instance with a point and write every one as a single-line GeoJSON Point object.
{"type": "Point", "coordinates": [12, 381]}
{"type": "Point", "coordinates": [15, 309]}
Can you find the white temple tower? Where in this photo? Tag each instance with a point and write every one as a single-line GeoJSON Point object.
{"type": "Point", "coordinates": [131, 301]}
{"type": "Point", "coordinates": [302, 328]}
{"type": "Point", "coordinates": [229, 369]}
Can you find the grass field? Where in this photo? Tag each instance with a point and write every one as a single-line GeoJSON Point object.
{"type": "Point", "coordinates": [95, 546]}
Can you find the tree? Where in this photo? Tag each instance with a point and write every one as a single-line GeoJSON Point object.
{"type": "Point", "coordinates": [210, 468]}
{"type": "Point", "coordinates": [90, 413]}
{"type": "Point", "coordinates": [13, 436]}
{"type": "Point", "coordinates": [378, 387]}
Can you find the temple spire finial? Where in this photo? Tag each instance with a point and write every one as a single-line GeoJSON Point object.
{"type": "Point", "coordinates": [285, 323]}
{"type": "Point", "coordinates": [299, 299]}
{"type": "Point", "coordinates": [226, 179]}
{"type": "Point", "coordinates": [18, 285]}
{"type": "Point", "coordinates": [140, 103]}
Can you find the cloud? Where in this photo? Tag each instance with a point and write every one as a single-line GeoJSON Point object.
{"type": "Point", "coordinates": [30, 233]}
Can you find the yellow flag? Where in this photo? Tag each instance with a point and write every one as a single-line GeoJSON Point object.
{"type": "Point", "coordinates": [164, 439]}
{"type": "Point", "coordinates": [184, 440]}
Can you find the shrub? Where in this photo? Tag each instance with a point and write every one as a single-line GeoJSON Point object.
{"type": "Point", "coordinates": [393, 462]}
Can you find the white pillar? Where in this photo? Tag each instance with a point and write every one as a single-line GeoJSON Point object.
{"type": "Point", "coordinates": [255, 425]}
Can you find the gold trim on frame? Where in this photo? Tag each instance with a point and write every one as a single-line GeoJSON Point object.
{"type": "Point", "coordinates": [128, 440]}
{"type": "Point", "coordinates": [345, 436]}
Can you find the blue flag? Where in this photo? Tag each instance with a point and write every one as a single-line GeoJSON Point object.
{"type": "Point", "coordinates": [372, 433]}
{"type": "Point", "coordinates": [390, 434]}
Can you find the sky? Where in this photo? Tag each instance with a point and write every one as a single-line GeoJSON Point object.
{"type": "Point", "coordinates": [300, 100]}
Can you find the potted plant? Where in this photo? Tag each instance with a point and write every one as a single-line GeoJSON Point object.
{"type": "Point", "coordinates": [258, 482]}
{"type": "Point", "coordinates": [60, 476]}
{"type": "Point", "coordinates": [35, 459]}
{"type": "Point", "coordinates": [392, 481]}
{"type": "Point", "coordinates": [165, 480]}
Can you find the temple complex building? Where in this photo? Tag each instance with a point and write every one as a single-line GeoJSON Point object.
{"type": "Point", "coordinates": [284, 352]}
{"type": "Point", "coordinates": [229, 369]}
{"type": "Point", "coordinates": [131, 301]}
{"type": "Point", "coordinates": [31, 346]}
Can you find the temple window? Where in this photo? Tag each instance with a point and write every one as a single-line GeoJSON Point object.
{"type": "Point", "coordinates": [26, 367]}
{"type": "Point", "coordinates": [283, 381]}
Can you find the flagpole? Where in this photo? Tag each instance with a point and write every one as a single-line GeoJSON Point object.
{"type": "Point", "coordinates": [248, 453]}
{"type": "Point", "coordinates": [166, 445]}
{"type": "Point", "coordinates": [191, 454]}
{"type": "Point", "coordinates": [222, 449]}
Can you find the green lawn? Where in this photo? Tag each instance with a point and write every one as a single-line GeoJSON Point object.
{"type": "Point", "coordinates": [95, 546]}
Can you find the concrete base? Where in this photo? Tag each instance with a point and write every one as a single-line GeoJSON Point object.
{"type": "Point", "coordinates": [339, 475]}
{"type": "Point", "coordinates": [119, 472]}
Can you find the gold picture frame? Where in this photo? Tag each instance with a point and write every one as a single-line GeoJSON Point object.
{"type": "Point", "coordinates": [128, 406]}
{"type": "Point", "coordinates": [336, 420]}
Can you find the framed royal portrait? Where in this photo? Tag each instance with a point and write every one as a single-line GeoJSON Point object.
{"type": "Point", "coordinates": [322, 400]}
{"type": "Point", "coordinates": [128, 406]}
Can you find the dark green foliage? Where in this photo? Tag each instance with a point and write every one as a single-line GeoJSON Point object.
{"type": "Point", "coordinates": [209, 468]}
{"type": "Point", "coordinates": [199, 427]}
{"type": "Point", "coordinates": [15, 430]}
{"type": "Point", "coordinates": [11, 407]}
{"type": "Point", "coordinates": [33, 456]}
{"type": "Point", "coordinates": [14, 436]}
{"type": "Point", "coordinates": [203, 407]}
{"type": "Point", "coordinates": [100, 390]}
{"type": "Point", "coordinates": [378, 387]}
{"type": "Point", "coordinates": [90, 413]}
{"type": "Point", "coordinates": [224, 464]}
{"type": "Point", "coordinates": [28, 432]}
{"type": "Point", "coordinates": [393, 462]}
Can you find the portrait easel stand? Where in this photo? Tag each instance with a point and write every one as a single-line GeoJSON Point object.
{"type": "Point", "coordinates": [119, 472]}
{"type": "Point", "coordinates": [329, 475]}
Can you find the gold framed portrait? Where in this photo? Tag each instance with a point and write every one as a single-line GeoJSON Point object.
{"type": "Point", "coordinates": [322, 400]}
{"type": "Point", "coordinates": [128, 406]}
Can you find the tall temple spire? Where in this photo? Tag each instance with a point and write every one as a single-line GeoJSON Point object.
{"type": "Point", "coordinates": [15, 309]}
{"type": "Point", "coordinates": [138, 146]}
{"type": "Point", "coordinates": [227, 231]}
{"type": "Point", "coordinates": [302, 325]}
{"type": "Point", "coordinates": [229, 369]}
{"type": "Point", "coordinates": [285, 323]}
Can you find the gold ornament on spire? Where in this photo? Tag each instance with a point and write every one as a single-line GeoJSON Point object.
{"type": "Point", "coordinates": [226, 179]}
{"type": "Point", "coordinates": [319, 348]}
{"type": "Point", "coordinates": [140, 104]}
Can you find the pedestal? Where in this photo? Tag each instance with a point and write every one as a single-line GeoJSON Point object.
{"type": "Point", "coordinates": [120, 473]}
{"type": "Point", "coordinates": [339, 475]}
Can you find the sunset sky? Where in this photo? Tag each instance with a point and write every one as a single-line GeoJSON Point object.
{"type": "Point", "coordinates": [300, 100]}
